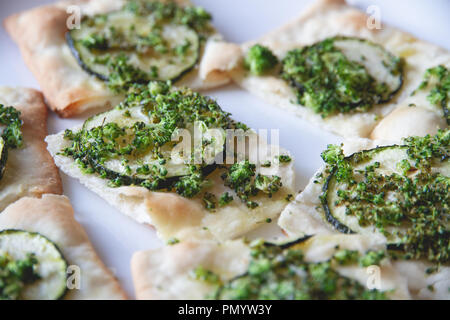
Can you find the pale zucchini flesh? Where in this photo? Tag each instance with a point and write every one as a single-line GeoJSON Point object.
{"type": "Point", "coordinates": [126, 118]}
{"type": "Point", "coordinates": [389, 157]}
{"type": "Point", "coordinates": [168, 65]}
{"type": "Point", "coordinates": [379, 63]}
{"type": "Point", "coordinates": [51, 267]}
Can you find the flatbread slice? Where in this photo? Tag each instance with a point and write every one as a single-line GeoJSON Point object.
{"type": "Point", "coordinates": [419, 114]}
{"type": "Point", "coordinates": [52, 217]}
{"type": "Point", "coordinates": [178, 217]}
{"type": "Point", "coordinates": [137, 169]}
{"type": "Point", "coordinates": [69, 90]}
{"type": "Point", "coordinates": [306, 216]}
{"type": "Point", "coordinates": [169, 272]}
{"type": "Point", "coordinates": [30, 170]}
{"type": "Point", "coordinates": [325, 19]}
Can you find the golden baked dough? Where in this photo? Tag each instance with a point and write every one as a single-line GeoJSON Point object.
{"type": "Point", "coordinates": [328, 18]}
{"type": "Point", "coordinates": [30, 170]}
{"type": "Point", "coordinates": [70, 90]}
{"type": "Point", "coordinates": [52, 216]}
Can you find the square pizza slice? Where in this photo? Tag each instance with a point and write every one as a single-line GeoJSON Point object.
{"type": "Point", "coordinates": [85, 54]}
{"type": "Point", "coordinates": [337, 69]}
{"type": "Point", "coordinates": [27, 168]}
{"type": "Point", "coordinates": [174, 159]}
{"type": "Point", "coordinates": [398, 191]}
{"type": "Point", "coordinates": [45, 254]}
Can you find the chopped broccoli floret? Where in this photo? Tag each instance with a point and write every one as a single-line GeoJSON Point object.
{"type": "Point", "coordinates": [266, 164]}
{"type": "Point", "coordinates": [284, 158]}
{"type": "Point", "coordinates": [172, 241]}
{"type": "Point", "coordinates": [16, 274]}
{"type": "Point", "coordinates": [345, 256]}
{"type": "Point", "coordinates": [260, 59]}
{"type": "Point", "coordinates": [267, 184]}
{"type": "Point", "coordinates": [437, 81]}
{"type": "Point", "coordinates": [241, 178]}
{"type": "Point", "coordinates": [205, 275]}
{"type": "Point", "coordinates": [240, 173]}
{"type": "Point", "coordinates": [333, 154]}
{"type": "Point", "coordinates": [12, 134]}
{"type": "Point", "coordinates": [225, 199]}
{"type": "Point", "coordinates": [189, 186]}
{"type": "Point", "coordinates": [210, 201]}
{"type": "Point", "coordinates": [334, 157]}
{"type": "Point", "coordinates": [372, 258]}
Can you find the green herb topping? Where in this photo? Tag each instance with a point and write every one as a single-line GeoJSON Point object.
{"type": "Point", "coordinates": [260, 60]}
{"type": "Point", "coordinates": [196, 18]}
{"type": "Point", "coordinates": [205, 275]}
{"type": "Point", "coordinates": [284, 158]}
{"type": "Point", "coordinates": [173, 241]}
{"type": "Point", "coordinates": [145, 40]}
{"type": "Point", "coordinates": [282, 273]}
{"type": "Point", "coordinates": [15, 275]}
{"type": "Point", "coordinates": [242, 178]}
{"type": "Point", "coordinates": [210, 201]}
{"type": "Point", "coordinates": [410, 206]}
{"type": "Point", "coordinates": [12, 134]}
{"type": "Point", "coordinates": [225, 199]}
{"type": "Point", "coordinates": [133, 145]}
{"type": "Point", "coordinates": [326, 80]}
{"type": "Point", "coordinates": [437, 80]}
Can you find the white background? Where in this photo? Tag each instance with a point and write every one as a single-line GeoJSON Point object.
{"type": "Point", "coordinates": [114, 235]}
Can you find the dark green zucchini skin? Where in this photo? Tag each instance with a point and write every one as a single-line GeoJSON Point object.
{"type": "Point", "coordinates": [3, 158]}
{"type": "Point", "coordinates": [76, 54]}
{"type": "Point", "coordinates": [288, 244]}
{"type": "Point", "coordinates": [85, 67]}
{"type": "Point", "coordinates": [184, 72]}
{"type": "Point", "coordinates": [10, 231]}
{"type": "Point", "coordinates": [71, 42]}
{"type": "Point", "coordinates": [136, 181]}
{"type": "Point", "coordinates": [124, 179]}
{"type": "Point", "coordinates": [401, 73]}
{"type": "Point", "coordinates": [446, 110]}
{"type": "Point", "coordinates": [338, 225]}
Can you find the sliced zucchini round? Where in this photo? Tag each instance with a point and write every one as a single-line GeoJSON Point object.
{"type": "Point", "coordinates": [382, 65]}
{"type": "Point", "coordinates": [51, 267]}
{"type": "Point", "coordinates": [106, 45]}
{"type": "Point", "coordinates": [280, 271]}
{"type": "Point", "coordinates": [123, 117]}
{"type": "Point", "coordinates": [389, 158]}
{"type": "Point", "coordinates": [342, 74]}
{"type": "Point", "coordinates": [3, 156]}
{"type": "Point", "coordinates": [130, 172]}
